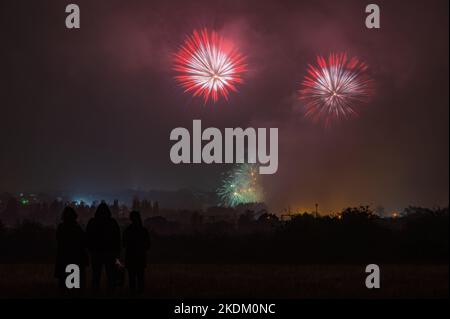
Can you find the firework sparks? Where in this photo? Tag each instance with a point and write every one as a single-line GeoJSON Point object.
{"type": "Point", "coordinates": [241, 186]}
{"type": "Point", "coordinates": [209, 66]}
{"type": "Point", "coordinates": [335, 88]}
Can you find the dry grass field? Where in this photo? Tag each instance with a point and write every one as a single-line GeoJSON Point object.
{"type": "Point", "coordinates": [247, 281]}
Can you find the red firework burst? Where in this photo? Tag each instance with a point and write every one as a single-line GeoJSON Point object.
{"type": "Point", "coordinates": [335, 88]}
{"type": "Point", "coordinates": [209, 66]}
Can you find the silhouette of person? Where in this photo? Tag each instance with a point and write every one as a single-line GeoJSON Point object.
{"type": "Point", "coordinates": [103, 234]}
{"type": "Point", "coordinates": [136, 242]}
{"type": "Point", "coordinates": [71, 247]}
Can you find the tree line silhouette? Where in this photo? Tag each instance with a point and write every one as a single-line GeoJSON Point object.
{"type": "Point", "coordinates": [355, 235]}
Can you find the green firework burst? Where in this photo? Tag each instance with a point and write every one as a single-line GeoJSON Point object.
{"type": "Point", "coordinates": [241, 185]}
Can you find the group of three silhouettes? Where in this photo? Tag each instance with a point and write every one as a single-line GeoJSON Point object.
{"type": "Point", "coordinates": [102, 242]}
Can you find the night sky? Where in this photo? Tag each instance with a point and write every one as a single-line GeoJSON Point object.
{"type": "Point", "coordinates": [92, 109]}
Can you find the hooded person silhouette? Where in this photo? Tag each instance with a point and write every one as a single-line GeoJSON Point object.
{"type": "Point", "coordinates": [136, 242]}
{"type": "Point", "coordinates": [71, 247]}
{"type": "Point", "coordinates": [103, 234]}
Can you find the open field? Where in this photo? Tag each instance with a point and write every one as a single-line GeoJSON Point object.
{"type": "Point", "coordinates": [248, 281]}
